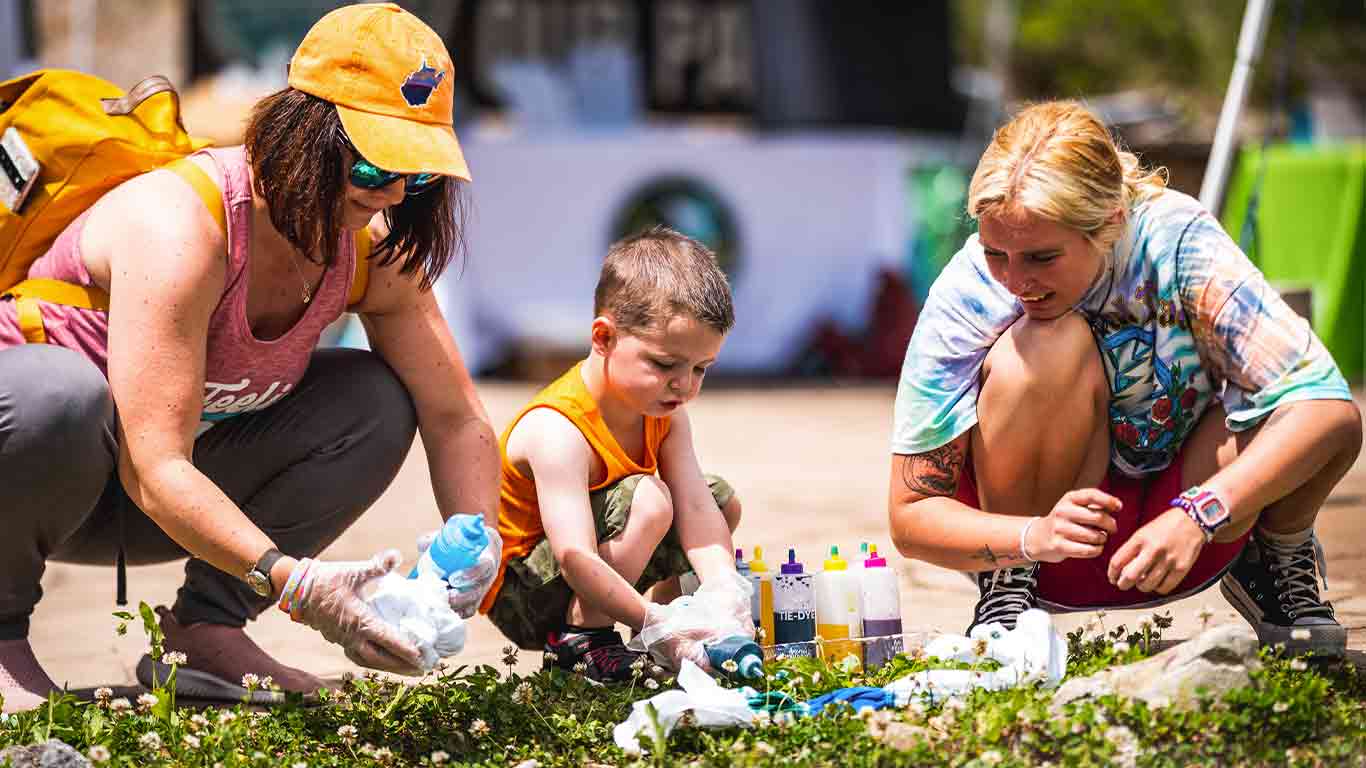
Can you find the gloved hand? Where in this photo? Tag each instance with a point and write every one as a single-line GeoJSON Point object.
{"type": "Point", "coordinates": [718, 610]}
{"type": "Point", "coordinates": [468, 586]}
{"type": "Point", "coordinates": [328, 598]}
{"type": "Point", "coordinates": [671, 645]}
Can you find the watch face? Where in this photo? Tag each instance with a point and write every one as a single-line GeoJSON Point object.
{"type": "Point", "coordinates": [259, 582]}
{"type": "Point", "coordinates": [1209, 509]}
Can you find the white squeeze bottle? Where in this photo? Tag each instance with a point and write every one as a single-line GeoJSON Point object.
{"type": "Point", "coordinates": [837, 610]}
{"type": "Point", "coordinates": [881, 603]}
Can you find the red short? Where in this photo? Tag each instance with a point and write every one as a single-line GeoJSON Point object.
{"type": "Point", "coordinates": [1081, 584]}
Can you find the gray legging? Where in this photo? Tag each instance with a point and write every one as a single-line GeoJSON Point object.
{"type": "Point", "coordinates": [303, 470]}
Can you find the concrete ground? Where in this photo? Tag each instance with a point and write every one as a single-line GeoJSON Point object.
{"type": "Point", "coordinates": [810, 465]}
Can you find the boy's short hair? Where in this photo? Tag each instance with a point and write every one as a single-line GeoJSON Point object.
{"type": "Point", "coordinates": [655, 275]}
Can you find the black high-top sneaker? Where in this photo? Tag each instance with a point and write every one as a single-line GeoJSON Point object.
{"type": "Point", "coordinates": [1006, 594]}
{"type": "Point", "coordinates": [597, 654]}
{"type": "Point", "coordinates": [1275, 589]}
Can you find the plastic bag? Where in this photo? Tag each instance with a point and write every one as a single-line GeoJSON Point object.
{"type": "Point", "coordinates": [711, 706]}
{"type": "Point", "coordinates": [420, 610]}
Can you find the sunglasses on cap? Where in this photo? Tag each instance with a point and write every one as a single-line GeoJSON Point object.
{"type": "Point", "coordinates": [367, 175]}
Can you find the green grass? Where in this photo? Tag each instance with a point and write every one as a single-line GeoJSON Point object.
{"type": "Point", "coordinates": [1293, 714]}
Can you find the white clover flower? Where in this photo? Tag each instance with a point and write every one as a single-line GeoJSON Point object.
{"type": "Point", "coordinates": [146, 701]}
{"type": "Point", "coordinates": [1279, 707]}
{"type": "Point", "coordinates": [227, 716]}
{"type": "Point", "coordinates": [479, 729]}
{"type": "Point", "coordinates": [120, 704]}
{"type": "Point", "coordinates": [638, 665]}
{"type": "Point", "coordinates": [764, 748]}
{"type": "Point", "coordinates": [652, 684]}
{"type": "Point", "coordinates": [383, 755]}
{"type": "Point", "coordinates": [729, 665]}
{"type": "Point", "coordinates": [1299, 665]}
{"type": "Point", "coordinates": [991, 757]}
{"type": "Point", "coordinates": [250, 680]}
{"type": "Point", "coordinates": [98, 753]}
{"type": "Point", "coordinates": [347, 733]}
{"type": "Point", "coordinates": [300, 764]}
{"type": "Point", "coordinates": [367, 749]}
{"type": "Point", "coordinates": [1299, 634]}
{"type": "Point", "coordinates": [104, 694]}
{"type": "Point", "coordinates": [580, 668]}
{"type": "Point", "coordinates": [191, 741]}
{"type": "Point", "coordinates": [655, 669]}
{"type": "Point", "coordinates": [150, 741]}
{"type": "Point", "coordinates": [551, 656]}
{"type": "Point", "coordinates": [440, 757]}
{"type": "Point", "coordinates": [522, 694]}
{"type": "Point", "coordinates": [268, 683]}
{"type": "Point", "coordinates": [815, 678]}
{"type": "Point", "coordinates": [1121, 647]}
{"type": "Point", "coordinates": [760, 634]}
{"type": "Point", "coordinates": [197, 721]}
{"type": "Point", "coordinates": [173, 658]}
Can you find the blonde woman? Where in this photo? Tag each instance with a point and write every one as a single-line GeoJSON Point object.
{"type": "Point", "coordinates": [1104, 403]}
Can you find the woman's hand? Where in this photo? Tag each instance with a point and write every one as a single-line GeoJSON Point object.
{"type": "Point", "coordinates": [1078, 526]}
{"type": "Point", "coordinates": [328, 598]}
{"type": "Point", "coordinates": [1159, 555]}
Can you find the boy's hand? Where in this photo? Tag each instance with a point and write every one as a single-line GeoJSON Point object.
{"type": "Point", "coordinates": [675, 646]}
{"type": "Point", "coordinates": [1159, 555]}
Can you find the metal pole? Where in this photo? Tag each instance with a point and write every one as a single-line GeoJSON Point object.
{"type": "Point", "coordinates": [1256, 18]}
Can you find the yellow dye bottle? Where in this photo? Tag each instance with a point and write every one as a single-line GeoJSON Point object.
{"type": "Point", "coordinates": [761, 601]}
{"type": "Point", "coordinates": [839, 618]}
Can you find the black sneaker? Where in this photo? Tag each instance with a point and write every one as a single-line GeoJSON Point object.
{"type": "Point", "coordinates": [1006, 594]}
{"type": "Point", "coordinates": [1275, 589]}
{"type": "Point", "coordinates": [604, 657]}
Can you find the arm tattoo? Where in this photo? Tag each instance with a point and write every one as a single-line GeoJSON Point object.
{"type": "Point", "coordinates": [986, 554]}
{"type": "Point", "coordinates": [934, 473]}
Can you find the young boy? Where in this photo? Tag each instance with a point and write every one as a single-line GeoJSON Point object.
{"type": "Point", "coordinates": [602, 495]}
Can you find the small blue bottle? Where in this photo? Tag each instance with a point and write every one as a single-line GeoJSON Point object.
{"type": "Point", "coordinates": [456, 547]}
{"type": "Point", "coordinates": [748, 658]}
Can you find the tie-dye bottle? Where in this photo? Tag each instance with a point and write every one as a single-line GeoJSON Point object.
{"type": "Point", "coordinates": [794, 609]}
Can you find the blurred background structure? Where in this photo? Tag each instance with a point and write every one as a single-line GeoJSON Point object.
{"type": "Point", "coordinates": [822, 149]}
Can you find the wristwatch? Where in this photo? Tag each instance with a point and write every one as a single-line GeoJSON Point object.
{"type": "Point", "coordinates": [258, 578]}
{"type": "Point", "coordinates": [1204, 507]}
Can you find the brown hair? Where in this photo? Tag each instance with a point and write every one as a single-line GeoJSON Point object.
{"type": "Point", "coordinates": [657, 274]}
{"type": "Point", "coordinates": [296, 145]}
{"type": "Point", "coordinates": [1058, 161]}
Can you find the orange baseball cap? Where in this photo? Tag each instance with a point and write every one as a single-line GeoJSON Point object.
{"type": "Point", "coordinates": [391, 79]}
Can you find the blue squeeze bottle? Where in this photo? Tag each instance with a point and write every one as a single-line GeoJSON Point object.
{"type": "Point", "coordinates": [748, 658]}
{"type": "Point", "coordinates": [456, 547]}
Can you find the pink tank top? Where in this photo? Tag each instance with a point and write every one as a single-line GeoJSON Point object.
{"type": "Point", "coordinates": [242, 373]}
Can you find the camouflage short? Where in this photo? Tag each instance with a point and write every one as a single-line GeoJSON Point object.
{"type": "Point", "coordinates": [535, 597]}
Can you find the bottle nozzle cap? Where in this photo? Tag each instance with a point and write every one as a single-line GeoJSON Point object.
{"type": "Point", "coordinates": [792, 566]}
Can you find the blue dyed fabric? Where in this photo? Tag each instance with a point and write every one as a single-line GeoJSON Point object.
{"type": "Point", "coordinates": [858, 697]}
{"type": "Point", "coordinates": [1181, 317]}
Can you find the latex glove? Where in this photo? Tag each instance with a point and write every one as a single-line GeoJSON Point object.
{"type": "Point", "coordinates": [329, 598]}
{"type": "Point", "coordinates": [671, 647]}
{"type": "Point", "coordinates": [468, 586]}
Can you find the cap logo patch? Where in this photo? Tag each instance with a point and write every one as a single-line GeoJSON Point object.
{"type": "Point", "coordinates": [418, 85]}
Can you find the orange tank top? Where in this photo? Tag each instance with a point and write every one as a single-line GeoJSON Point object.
{"type": "Point", "coordinates": [519, 514]}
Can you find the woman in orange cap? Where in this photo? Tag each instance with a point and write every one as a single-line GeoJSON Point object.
{"type": "Point", "coordinates": [196, 417]}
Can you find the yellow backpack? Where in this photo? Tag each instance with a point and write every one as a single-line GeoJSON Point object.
{"type": "Point", "coordinates": [86, 136]}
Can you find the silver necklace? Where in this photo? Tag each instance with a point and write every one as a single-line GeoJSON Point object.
{"type": "Point", "coordinates": [307, 292]}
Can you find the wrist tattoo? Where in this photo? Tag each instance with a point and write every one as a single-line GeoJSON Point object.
{"type": "Point", "coordinates": [934, 473]}
{"type": "Point", "coordinates": [994, 558]}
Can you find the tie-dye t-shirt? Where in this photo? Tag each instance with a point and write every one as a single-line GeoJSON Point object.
{"type": "Point", "coordinates": [1180, 315]}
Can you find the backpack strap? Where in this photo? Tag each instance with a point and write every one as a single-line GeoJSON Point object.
{"type": "Point", "coordinates": [27, 293]}
{"type": "Point", "coordinates": [362, 278]}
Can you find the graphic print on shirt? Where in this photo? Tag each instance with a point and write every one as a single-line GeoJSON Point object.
{"type": "Point", "coordinates": [223, 401]}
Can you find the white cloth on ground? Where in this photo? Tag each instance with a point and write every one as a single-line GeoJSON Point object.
{"type": "Point", "coordinates": [1032, 652]}
{"type": "Point", "coordinates": [420, 610]}
{"type": "Point", "coordinates": [711, 705]}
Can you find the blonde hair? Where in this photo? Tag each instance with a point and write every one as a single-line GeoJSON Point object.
{"type": "Point", "coordinates": [658, 274]}
{"type": "Point", "coordinates": [1057, 161]}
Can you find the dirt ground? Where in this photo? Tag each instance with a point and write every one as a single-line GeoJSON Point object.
{"type": "Point", "coordinates": [810, 465]}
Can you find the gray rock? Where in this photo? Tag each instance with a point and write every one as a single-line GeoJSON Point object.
{"type": "Point", "coordinates": [52, 753]}
{"type": "Point", "coordinates": [1217, 661]}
